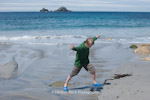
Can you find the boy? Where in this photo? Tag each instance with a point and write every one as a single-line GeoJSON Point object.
{"type": "Point", "coordinates": [82, 60]}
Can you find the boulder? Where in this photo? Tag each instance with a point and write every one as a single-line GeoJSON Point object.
{"type": "Point", "coordinates": [133, 47]}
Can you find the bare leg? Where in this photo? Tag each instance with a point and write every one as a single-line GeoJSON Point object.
{"type": "Point", "coordinates": [66, 83]}
{"type": "Point", "coordinates": [94, 78]}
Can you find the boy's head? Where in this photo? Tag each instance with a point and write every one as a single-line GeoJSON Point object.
{"type": "Point", "coordinates": [89, 42]}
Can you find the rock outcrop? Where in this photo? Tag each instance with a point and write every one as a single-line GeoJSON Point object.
{"type": "Point", "coordinates": [62, 9]}
{"type": "Point", "coordinates": [44, 10]}
{"type": "Point", "coordinates": [143, 50]}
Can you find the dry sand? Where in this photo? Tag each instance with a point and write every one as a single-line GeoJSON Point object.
{"type": "Point", "coordinates": [135, 87]}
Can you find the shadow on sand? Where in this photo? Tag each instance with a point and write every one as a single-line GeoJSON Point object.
{"type": "Point", "coordinates": [93, 88]}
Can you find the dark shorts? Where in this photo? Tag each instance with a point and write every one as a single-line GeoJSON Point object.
{"type": "Point", "coordinates": [89, 67]}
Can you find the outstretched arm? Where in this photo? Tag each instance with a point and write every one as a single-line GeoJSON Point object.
{"type": "Point", "coordinates": [96, 37]}
{"type": "Point", "coordinates": [71, 46]}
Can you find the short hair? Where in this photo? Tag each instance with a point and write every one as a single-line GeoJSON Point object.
{"type": "Point", "coordinates": [89, 41]}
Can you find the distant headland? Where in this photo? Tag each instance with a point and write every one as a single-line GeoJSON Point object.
{"type": "Point", "coordinates": [61, 9]}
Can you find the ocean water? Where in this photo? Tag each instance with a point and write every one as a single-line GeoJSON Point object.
{"type": "Point", "coordinates": [73, 27]}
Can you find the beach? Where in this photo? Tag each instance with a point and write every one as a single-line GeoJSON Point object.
{"type": "Point", "coordinates": [35, 55]}
{"type": "Point", "coordinates": [135, 87]}
{"type": "Point", "coordinates": [37, 71]}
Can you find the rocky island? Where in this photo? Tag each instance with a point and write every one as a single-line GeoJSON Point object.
{"type": "Point", "coordinates": [61, 9]}
{"type": "Point", "coordinates": [44, 10]}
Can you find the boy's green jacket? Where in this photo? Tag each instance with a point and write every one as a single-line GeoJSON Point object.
{"type": "Point", "coordinates": [82, 55]}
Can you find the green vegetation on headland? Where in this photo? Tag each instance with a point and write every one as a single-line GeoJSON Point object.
{"type": "Point", "coordinates": [61, 9]}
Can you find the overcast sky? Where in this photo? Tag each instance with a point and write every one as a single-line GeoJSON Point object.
{"type": "Point", "coordinates": [76, 5]}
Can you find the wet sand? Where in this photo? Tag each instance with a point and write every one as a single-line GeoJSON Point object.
{"type": "Point", "coordinates": [32, 68]}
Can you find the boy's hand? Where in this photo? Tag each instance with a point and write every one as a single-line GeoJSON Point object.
{"type": "Point", "coordinates": [97, 36]}
{"type": "Point", "coordinates": [71, 46]}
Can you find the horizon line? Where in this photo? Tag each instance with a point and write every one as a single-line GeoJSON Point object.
{"type": "Point", "coordinates": [75, 11]}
